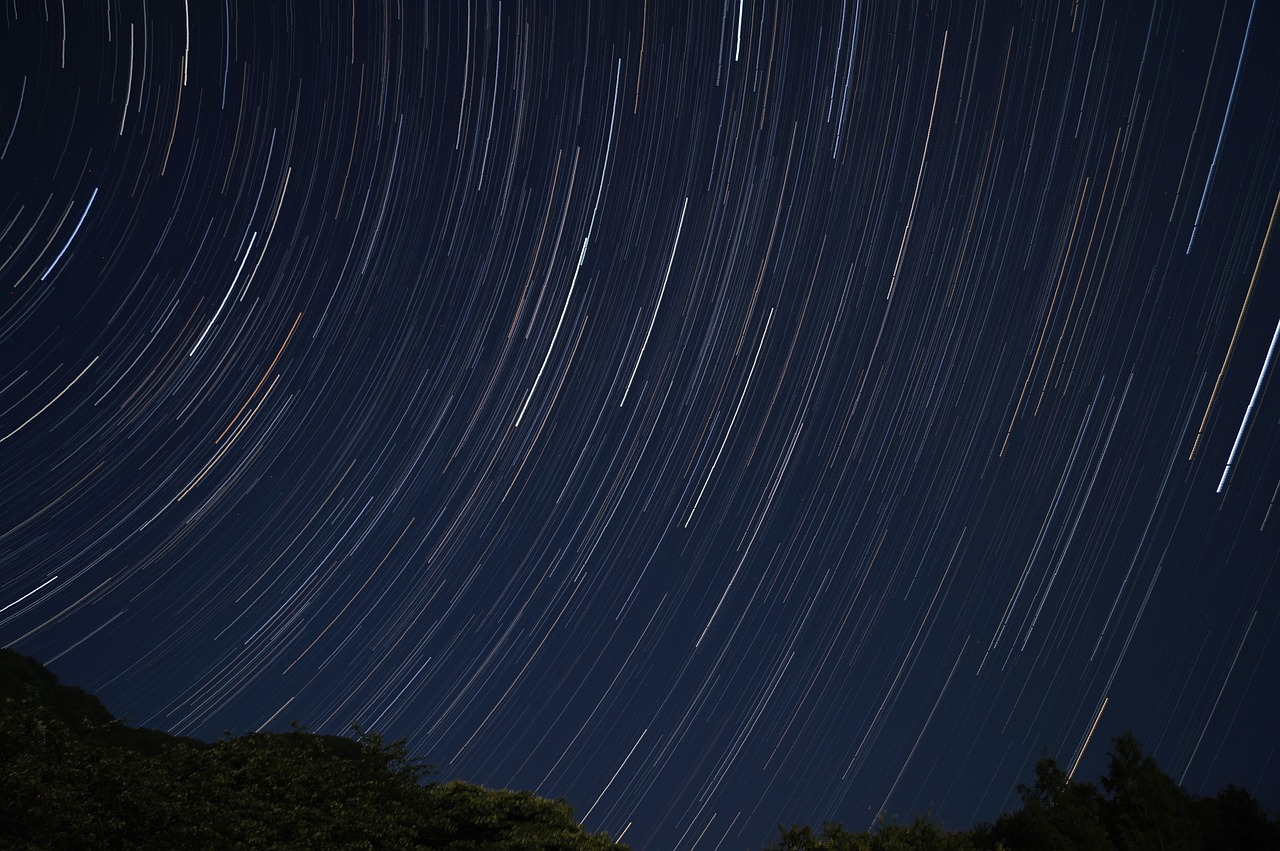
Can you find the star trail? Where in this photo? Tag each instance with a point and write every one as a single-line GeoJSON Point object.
{"type": "Point", "coordinates": [716, 414]}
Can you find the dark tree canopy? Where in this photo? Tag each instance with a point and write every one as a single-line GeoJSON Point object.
{"type": "Point", "coordinates": [1137, 808]}
{"type": "Point", "coordinates": [71, 776]}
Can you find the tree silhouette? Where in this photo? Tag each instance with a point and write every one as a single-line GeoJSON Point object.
{"type": "Point", "coordinates": [73, 777]}
{"type": "Point", "coordinates": [1138, 808]}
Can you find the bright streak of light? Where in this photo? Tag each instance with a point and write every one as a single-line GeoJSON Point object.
{"type": "Point", "coordinates": [1231, 99]}
{"type": "Point", "coordinates": [73, 235]}
{"type": "Point", "coordinates": [1085, 744]}
{"type": "Point", "coordinates": [1248, 412]}
{"type": "Point", "coordinates": [661, 290]}
{"type": "Point", "coordinates": [1231, 347]}
{"type": "Point", "coordinates": [50, 402]}
{"type": "Point", "coordinates": [29, 593]}
{"type": "Point", "coordinates": [615, 774]}
{"type": "Point", "coordinates": [1214, 709]}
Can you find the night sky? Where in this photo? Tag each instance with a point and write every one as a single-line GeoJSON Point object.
{"type": "Point", "coordinates": [719, 416]}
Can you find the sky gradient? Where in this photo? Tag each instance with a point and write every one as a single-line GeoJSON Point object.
{"type": "Point", "coordinates": [719, 415]}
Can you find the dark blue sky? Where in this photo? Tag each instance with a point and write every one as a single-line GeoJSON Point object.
{"type": "Point", "coordinates": [719, 416]}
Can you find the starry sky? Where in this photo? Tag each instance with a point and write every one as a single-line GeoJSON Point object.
{"type": "Point", "coordinates": [716, 414]}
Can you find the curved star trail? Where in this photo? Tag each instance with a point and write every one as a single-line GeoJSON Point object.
{"type": "Point", "coordinates": [718, 416]}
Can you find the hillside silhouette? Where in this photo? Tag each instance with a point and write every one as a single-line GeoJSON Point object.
{"type": "Point", "coordinates": [74, 776]}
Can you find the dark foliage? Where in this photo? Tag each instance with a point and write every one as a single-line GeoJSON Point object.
{"type": "Point", "coordinates": [1138, 808]}
{"type": "Point", "coordinates": [71, 776]}
{"type": "Point", "coordinates": [23, 678]}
